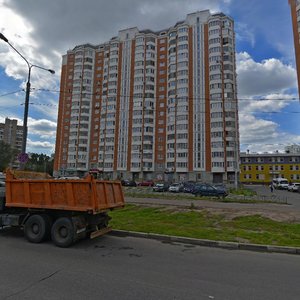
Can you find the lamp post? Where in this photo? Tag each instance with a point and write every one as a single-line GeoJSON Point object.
{"type": "Point", "coordinates": [26, 106]}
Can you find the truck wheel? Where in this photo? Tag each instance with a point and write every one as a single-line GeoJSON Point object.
{"type": "Point", "coordinates": [63, 232]}
{"type": "Point", "coordinates": [35, 229]}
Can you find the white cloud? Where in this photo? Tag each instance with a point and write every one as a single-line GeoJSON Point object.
{"type": "Point", "coordinates": [41, 136]}
{"type": "Point", "coordinates": [40, 147]}
{"type": "Point", "coordinates": [43, 128]}
{"type": "Point", "coordinates": [258, 135]}
{"type": "Point", "coordinates": [269, 79]}
{"type": "Point", "coordinates": [262, 78]}
{"type": "Point", "coordinates": [244, 33]}
{"type": "Point", "coordinates": [269, 103]}
{"type": "Point", "coordinates": [44, 30]}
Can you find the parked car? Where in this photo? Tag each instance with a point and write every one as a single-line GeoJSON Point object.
{"type": "Point", "coordinates": [2, 176]}
{"type": "Point", "coordinates": [161, 187]}
{"type": "Point", "coordinates": [176, 187]}
{"type": "Point", "coordinates": [127, 182]}
{"type": "Point", "coordinates": [293, 187]}
{"type": "Point", "coordinates": [2, 195]}
{"type": "Point", "coordinates": [68, 177]}
{"type": "Point", "coordinates": [2, 189]}
{"type": "Point", "coordinates": [188, 186]}
{"type": "Point", "coordinates": [209, 190]}
{"type": "Point", "coordinates": [220, 186]}
{"type": "Point", "coordinates": [280, 183]}
{"type": "Point", "coordinates": [146, 183]}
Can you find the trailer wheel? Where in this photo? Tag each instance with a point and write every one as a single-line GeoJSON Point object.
{"type": "Point", "coordinates": [63, 232]}
{"type": "Point", "coordinates": [36, 229]}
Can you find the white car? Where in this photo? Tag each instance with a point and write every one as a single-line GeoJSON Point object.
{"type": "Point", "coordinates": [176, 188]}
{"type": "Point", "coordinates": [280, 183]}
{"type": "Point", "coordinates": [2, 189]}
{"type": "Point", "coordinates": [294, 187]}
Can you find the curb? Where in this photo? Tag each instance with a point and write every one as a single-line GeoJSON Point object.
{"type": "Point", "coordinates": [208, 243]}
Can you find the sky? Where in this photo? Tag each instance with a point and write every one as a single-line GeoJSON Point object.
{"type": "Point", "coordinates": [43, 31]}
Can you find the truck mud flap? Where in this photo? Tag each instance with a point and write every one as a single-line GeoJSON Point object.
{"type": "Point", "coordinates": [100, 232]}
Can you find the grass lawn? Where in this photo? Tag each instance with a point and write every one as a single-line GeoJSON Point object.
{"type": "Point", "coordinates": [202, 225]}
{"type": "Point", "coordinates": [147, 193]}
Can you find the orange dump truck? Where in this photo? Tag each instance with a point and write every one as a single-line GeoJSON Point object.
{"type": "Point", "coordinates": [64, 209]}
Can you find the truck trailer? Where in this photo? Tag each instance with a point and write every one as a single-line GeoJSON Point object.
{"type": "Point", "coordinates": [64, 210]}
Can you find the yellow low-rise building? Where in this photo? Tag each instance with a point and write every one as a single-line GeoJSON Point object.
{"type": "Point", "coordinates": [262, 168]}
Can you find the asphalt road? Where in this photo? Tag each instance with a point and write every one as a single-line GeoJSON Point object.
{"type": "Point", "coordinates": [291, 197]}
{"type": "Point", "coordinates": [133, 268]}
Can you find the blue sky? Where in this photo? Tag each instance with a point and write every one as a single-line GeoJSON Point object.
{"type": "Point", "coordinates": [44, 30]}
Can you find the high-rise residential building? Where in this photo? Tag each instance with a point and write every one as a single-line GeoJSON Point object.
{"type": "Point", "coordinates": [295, 11]}
{"type": "Point", "coordinates": [11, 133]}
{"type": "Point", "coordinates": [152, 105]}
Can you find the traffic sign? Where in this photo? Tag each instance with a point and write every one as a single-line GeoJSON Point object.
{"type": "Point", "coordinates": [23, 158]}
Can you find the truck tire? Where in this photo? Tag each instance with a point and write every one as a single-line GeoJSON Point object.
{"type": "Point", "coordinates": [63, 232]}
{"type": "Point", "coordinates": [36, 229]}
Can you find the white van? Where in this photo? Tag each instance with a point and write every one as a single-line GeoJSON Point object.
{"type": "Point", "coordinates": [280, 183]}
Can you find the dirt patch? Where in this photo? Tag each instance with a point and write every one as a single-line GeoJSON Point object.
{"type": "Point", "coordinates": [230, 214]}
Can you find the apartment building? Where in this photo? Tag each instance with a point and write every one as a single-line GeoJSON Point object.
{"type": "Point", "coordinates": [295, 12]}
{"type": "Point", "coordinates": [292, 149]}
{"type": "Point", "coordinates": [11, 133]}
{"type": "Point", "coordinates": [152, 105]}
{"type": "Point", "coordinates": [262, 168]}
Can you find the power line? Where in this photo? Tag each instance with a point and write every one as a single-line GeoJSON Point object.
{"type": "Point", "coordinates": [156, 109]}
{"type": "Point", "coordinates": [178, 97]}
{"type": "Point", "coordinates": [11, 93]}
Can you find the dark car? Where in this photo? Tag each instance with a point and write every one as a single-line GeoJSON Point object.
{"type": "Point", "coordinates": [146, 183]}
{"type": "Point", "coordinates": [220, 186]}
{"type": "Point", "coordinates": [160, 187]}
{"type": "Point", "coordinates": [126, 182]}
{"type": "Point", "coordinates": [188, 186]}
{"type": "Point", "coordinates": [209, 190]}
{"type": "Point", "coordinates": [2, 195]}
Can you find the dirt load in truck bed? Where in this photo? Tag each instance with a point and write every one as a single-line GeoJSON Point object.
{"type": "Point", "coordinates": [85, 195]}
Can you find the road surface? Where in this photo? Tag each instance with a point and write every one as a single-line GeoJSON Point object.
{"type": "Point", "coordinates": [292, 197]}
{"type": "Point", "coordinates": [118, 268]}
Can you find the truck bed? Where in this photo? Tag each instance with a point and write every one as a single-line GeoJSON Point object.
{"type": "Point", "coordinates": [82, 195]}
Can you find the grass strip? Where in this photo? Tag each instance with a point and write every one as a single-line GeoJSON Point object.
{"type": "Point", "coordinates": [141, 194]}
{"type": "Point", "coordinates": [203, 225]}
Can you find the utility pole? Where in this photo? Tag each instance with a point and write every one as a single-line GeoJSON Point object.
{"type": "Point", "coordinates": [27, 95]}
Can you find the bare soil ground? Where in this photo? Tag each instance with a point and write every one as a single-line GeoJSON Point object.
{"type": "Point", "coordinates": [290, 217]}
{"type": "Point", "coordinates": [276, 212]}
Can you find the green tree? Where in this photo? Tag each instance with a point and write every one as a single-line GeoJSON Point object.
{"type": "Point", "coordinates": [39, 162]}
{"type": "Point", "coordinates": [7, 155]}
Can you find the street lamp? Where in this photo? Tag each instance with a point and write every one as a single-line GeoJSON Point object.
{"type": "Point", "coordinates": [26, 106]}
